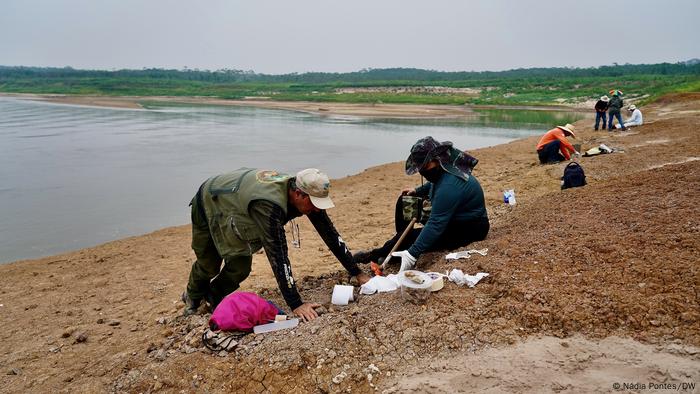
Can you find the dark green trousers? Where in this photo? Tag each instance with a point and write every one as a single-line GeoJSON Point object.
{"type": "Point", "coordinates": [208, 279]}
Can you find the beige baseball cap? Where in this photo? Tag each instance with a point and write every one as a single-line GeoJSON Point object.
{"type": "Point", "coordinates": [317, 185]}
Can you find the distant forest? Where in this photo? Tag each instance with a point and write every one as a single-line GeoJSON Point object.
{"type": "Point", "coordinates": [536, 86]}
{"type": "Point", "coordinates": [366, 76]}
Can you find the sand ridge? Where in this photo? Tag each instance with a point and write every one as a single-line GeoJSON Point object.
{"type": "Point", "coordinates": [366, 110]}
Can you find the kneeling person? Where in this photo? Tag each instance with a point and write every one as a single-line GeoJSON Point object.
{"type": "Point", "coordinates": [236, 214]}
{"type": "Point", "coordinates": [458, 213]}
{"type": "Point", "coordinates": [553, 142]}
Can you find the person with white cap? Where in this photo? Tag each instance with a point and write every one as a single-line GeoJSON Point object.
{"type": "Point", "coordinates": [636, 119]}
{"type": "Point", "coordinates": [236, 214]}
{"type": "Point", "coordinates": [601, 110]}
{"type": "Point", "coordinates": [553, 142]}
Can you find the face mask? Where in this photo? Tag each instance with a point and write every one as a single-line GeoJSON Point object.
{"type": "Point", "coordinates": [432, 175]}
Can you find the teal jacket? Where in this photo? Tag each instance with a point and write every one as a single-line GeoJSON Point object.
{"type": "Point", "coordinates": [453, 199]}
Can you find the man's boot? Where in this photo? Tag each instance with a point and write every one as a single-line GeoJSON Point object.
{"type": "Point", "coordinates": [191, 305]}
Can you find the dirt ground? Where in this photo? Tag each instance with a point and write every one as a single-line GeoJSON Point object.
{"type": "Point", "coordinates": [588, 287]}
{"type": "Point", "coordinates": [552, 364]}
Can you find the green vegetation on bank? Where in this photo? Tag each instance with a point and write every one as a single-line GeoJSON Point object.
{"type": "Point", "coordinates": [535, 86]}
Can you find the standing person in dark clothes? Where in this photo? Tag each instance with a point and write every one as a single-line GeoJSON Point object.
{"type": "Point", "coordinates": [458, 214]}
{"type": "Point", "coordinates": [236, 214]}
{"type": "Point", "coordinates": [614, 110]}
{"type": "Point", "coordinates": [553, 142]}
{"type": "Point", "coordinates": [601, 108]}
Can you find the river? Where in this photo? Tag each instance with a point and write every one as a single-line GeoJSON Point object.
{"type": "Point", "coordinates": [75, 176]}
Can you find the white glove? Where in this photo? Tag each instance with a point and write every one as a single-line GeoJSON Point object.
{"type": "Point", "coordinates": [407, 261]}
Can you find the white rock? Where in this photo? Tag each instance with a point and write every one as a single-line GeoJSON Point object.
{"type": "Point", "coordinates": [339, 377]}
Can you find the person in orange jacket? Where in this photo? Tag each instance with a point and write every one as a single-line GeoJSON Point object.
{"type": "Point", "coordinates": [554, 142]}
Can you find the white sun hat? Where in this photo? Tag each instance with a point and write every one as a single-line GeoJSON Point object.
{"type": "Point", "coordinates": [570, 128]}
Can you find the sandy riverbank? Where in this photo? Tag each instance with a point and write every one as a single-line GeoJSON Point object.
{"type": "Point", "coordinates": [336, 109]}
{"type": "Point", "coordinates": [606, 276]}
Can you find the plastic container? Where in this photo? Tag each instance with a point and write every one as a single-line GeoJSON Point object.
{"type": "Point", "coordinates": [415, 286]}
{"type": "Point", "coordinates": [276, 326]}
{"type": "Point", "coordinates": [509, 197]}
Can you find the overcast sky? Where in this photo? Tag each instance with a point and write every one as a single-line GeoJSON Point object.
{"type": "Point", "coordinates": [324, 35]}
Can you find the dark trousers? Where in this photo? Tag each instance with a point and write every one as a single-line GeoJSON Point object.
{"type": "Point", "coordinates": [598, 117]}
{"type": "Point", "coordinates": [456, 235]}
{"type": "Point", "coordinates": [208, 279]}
{"type": "Point", "coordinates": [617, 115]}
{"type": "Point", "coordinates": [550, 153]}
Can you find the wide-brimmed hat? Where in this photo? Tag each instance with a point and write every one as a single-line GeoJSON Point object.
{"type": "Point", "coordinates": [424, 150]}
{"type": "Point", "coordinates": [604, 98]}
{"type": "Point", "coordinates": [632, 107]}
{"type": "Point", "coordinates": [569, 128]}
{"type": "Point", "coordinates": [317, 185]}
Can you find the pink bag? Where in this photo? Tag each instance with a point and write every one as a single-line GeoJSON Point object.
{"type": "Point", "coordinates": [241, 311]}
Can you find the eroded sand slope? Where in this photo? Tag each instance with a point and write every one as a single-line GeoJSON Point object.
{"type": "Point", "coordinates": [617, 259]}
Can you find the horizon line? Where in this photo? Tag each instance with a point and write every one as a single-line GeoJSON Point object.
{"type": "Point", "coordinates": [365, 69]}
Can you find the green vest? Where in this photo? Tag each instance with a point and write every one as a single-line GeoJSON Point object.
{"type": "Point", "coordinates": [226, 199]}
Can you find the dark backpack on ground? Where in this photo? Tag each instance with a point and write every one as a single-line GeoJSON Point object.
{"type": "Point", "coordinates": [573, 176]}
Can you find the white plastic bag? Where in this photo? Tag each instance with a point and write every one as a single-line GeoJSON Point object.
{"type": "Point", "coordinates": [379, 284]}
{"type": "Point", "coordinates": [460, 278]}
{"type": "Point", "coordinates": [465, 254]}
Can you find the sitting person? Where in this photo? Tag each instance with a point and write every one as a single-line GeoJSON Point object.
{"type": "Point", "coordinates": [636, 119]}
{"type": "Point", "coordinates": [458, 214]}
{"type": "Point", "coordinates": [553, 142]}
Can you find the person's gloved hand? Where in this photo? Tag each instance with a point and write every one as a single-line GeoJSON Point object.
{"type": "Point", "coordinates": [407, 261]}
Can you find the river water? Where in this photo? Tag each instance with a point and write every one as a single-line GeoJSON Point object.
{"type": "Point", "coordinates": [74, 176]}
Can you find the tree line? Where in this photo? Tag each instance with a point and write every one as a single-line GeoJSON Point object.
{"type": "Point", "coordinates": [366, 76]}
